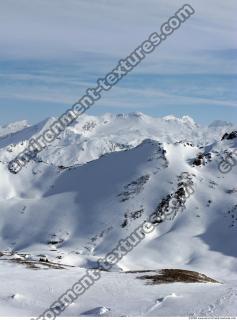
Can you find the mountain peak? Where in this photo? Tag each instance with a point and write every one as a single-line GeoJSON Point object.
{"type": "Point", "coordinates": [13, 127]}
{"type": "Point", "coordinates": [16, 124]}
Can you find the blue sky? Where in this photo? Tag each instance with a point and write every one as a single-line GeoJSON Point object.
{"type": "Point", "coordinates": [52, 51]}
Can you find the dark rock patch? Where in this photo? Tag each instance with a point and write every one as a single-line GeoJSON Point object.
{"type": "Point", "coordinates": [176, 275]}
{"type": "Point", "coordinates": [229, 136]}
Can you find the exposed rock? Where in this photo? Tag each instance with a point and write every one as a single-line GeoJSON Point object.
{"type": "Point", "coordinates": [176, 275]}
{"type": "Point", "coordinates": [133, 188]}
{"type": "Point", "coordinates": [133, 215]}
{"type": "Point", "coordinates": [229, 136]}
{"type": "Point", "coordinates": [202, 159]}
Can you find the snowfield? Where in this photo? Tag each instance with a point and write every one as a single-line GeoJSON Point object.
{"type": "Point", "coordinates": [101, 179]}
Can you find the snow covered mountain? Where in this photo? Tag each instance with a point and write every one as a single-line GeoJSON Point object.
{"type": "Point", "coordinates": [93, 186]}
{"type": "Point", "coordinates": [91, 137]}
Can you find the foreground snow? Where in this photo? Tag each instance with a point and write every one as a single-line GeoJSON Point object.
{"type": "Point", "coordinates": [26, 292]}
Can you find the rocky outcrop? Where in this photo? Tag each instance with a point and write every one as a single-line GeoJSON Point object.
{"type": "Point", "coordinates": [229, 136]}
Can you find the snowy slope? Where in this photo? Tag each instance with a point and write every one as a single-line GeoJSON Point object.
{"type": "Point", "coordinates": [122, 169]}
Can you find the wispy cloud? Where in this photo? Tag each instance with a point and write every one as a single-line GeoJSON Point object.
{"type": "Point", "coordinates": [51, 51]}
{"type": "Point", "coordinates": [49, 29]}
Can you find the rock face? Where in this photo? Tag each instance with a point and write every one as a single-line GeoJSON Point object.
{"type": "Point", "coordinates": [176, 275]}
{"type": "Point", "coordinates": [229, 136]}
